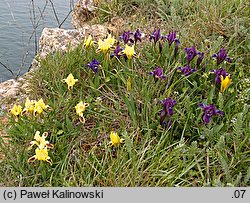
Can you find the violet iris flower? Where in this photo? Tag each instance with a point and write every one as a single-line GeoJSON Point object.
{"type": "Point", "coordinates": [187, 70]}
{"type": "Point", "coordinates": [191, 53]}
{"type": "Point", "coordinates": [200, 58]}
{"type": "Point", "coordinates": [209, 112]}
{"type": "Point", "coordinates": [117, 50]}
{"type": "Point", "coordinates": [94, 65]}
{"type": "Point", "coordinates": [156, 36]}
{"type": "Point", "coordinates": [218, 73]}
{"type": "Point", "coordinates": [167, 110]}
{"type": "Point", "coordinates": [137, 35]}
{"type": "Point", "coordinates": [126, 37]}
{"type": "Point", "coordinates": [171, 37]}
{"type": "Point", "coordinates": [158, 73]}
{"type": "Point", "coordinates": [221, 56]}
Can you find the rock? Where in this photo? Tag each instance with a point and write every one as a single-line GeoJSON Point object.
{"type": "Point", "coordinates": [56, 39]}
{"type": "Point", "coordinates": [83, 12]}
{"type": "Point", "coordinates": [11, 89]}
{"type": "Point", "coordinates": [117, 26]}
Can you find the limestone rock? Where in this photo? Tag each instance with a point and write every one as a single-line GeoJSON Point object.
{"type": "Point", "coordinates": [11, 88]}
{"type": "Point", "coordinates": [56, 39]}
{"type": "Point", "coordinates": [83, 12]}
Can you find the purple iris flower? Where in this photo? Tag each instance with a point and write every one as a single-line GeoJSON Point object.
{"type": "Point", "coordinates": [126, 37]}
{"type": "Point", "coordinates": [171, 37]}
{"type": "Point", "coordinates": [200, 58]}
{"type": "Point", "coordinates": [209, 111]}
{"type": "Point", "coordinates": [168, 105]}
{"type": "Point", "coordinates": [167, 110]}
{"type": "Point", "coordinates": [117, 50]}
{"type": "Point", "coordinates": [156, 35]}
{"type": "Point", "coordinates": [158, 73]}
{"type": "Point", "coordinates": [94, 65]}
{"type": "Point", "coordinates": [191, 53]}
{"type": "Point", "coordinates": [137, 35]}
{"type": "Point", "coordinates": [218, 73]}
{"type": "Point", "coordinates": [221, 56]}
{"type": "Point", "coordinates": [187, 70]}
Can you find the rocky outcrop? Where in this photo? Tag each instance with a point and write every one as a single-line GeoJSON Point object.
{"type": "Point", "coordinates": [11, 88]}
{"type": "Point", "coordinates": [56, 39]}
{"type": "Point", "coordinates": [84, 11]}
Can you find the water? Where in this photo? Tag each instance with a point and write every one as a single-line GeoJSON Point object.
{"type": "Point", "coordinates": [17, 43]}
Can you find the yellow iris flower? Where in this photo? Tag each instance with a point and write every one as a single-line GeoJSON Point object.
{"type": "Point", "coordinates": [88, 41]}
{"type": "Point", "coordinates": [106, 44]}
{"type": "Point", "coordinates": [70, 80]}
{"type": "Point", "coordinates": [41, 155]}
{"type": "Point", "coordinates": [29, 106]}
{"type": "Point", "coordinates": [115, 139]}
{"type": "Point", "coordinates": [80, 108]}
{"type": "Point", "coordinates": [16, 110]}
{"type": "Point", "coordinates": [111, 40]}
{"type": "Point", "coordinates": [225, 82]}
{"type": "Point", "coordinates": [103, 45]}
{"type": "Point", "coordinates": [129, 51]}
{"type": "Point", "coordinates": [40, 141]}
{"type": "Point", "coordinates": [40, 107]}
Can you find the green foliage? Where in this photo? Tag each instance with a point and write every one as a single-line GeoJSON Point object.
{"type": "Point", "coordinates": [189, 153]}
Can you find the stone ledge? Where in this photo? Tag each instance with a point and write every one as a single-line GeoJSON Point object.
{"type": "Point", "coordinates": [11, 89]}
{"type": "Point", "coordinates": [56, 39]}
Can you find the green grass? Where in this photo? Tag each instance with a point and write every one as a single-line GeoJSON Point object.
{"type": "Point", "coordinates": [188, 154]}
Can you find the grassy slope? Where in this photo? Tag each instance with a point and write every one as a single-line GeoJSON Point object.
{"type": "Point", "coordinates": [188, 154]}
